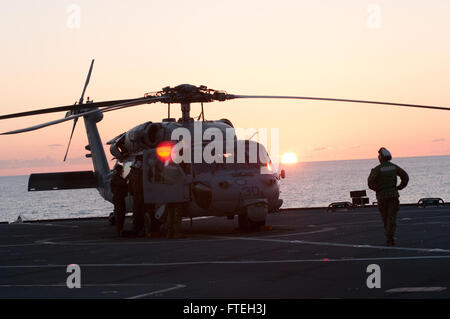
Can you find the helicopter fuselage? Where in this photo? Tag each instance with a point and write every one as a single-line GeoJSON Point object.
{"type": "Point", "coordinates": [230, 182]}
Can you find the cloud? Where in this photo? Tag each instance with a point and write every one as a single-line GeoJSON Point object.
{"type": "Point", "coordinates": [55, 145]}
{"type": "Point", "coordinates": [319, 149]}
{"type": "Point", "coordinates": [79, 160]}
{"type": "Point", "coordinates": [437, 140]}
{"type": "Point", "coordinates": [39, 162]}
{"type": "Point", "coordinates": [22, 163]}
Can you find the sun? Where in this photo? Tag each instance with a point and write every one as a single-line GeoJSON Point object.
{"type": "Point", "coordinates": [289, 158]}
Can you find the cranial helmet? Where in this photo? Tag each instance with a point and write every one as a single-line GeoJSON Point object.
{"type": "Point", "coordinates": [384, 155]}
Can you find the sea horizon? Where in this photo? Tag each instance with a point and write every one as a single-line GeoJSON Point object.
{"type": "Point", "coordinates": [299, 162]}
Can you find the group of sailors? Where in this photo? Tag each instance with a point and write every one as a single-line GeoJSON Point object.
{"type": "Point", "coordinates": [145, 222]}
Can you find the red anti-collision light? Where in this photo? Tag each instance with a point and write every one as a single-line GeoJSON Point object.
{"type": "Point", "coordinates": [164, 151]}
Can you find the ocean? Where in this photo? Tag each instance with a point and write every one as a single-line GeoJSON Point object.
{"type": "Point", "coordinates": [307, 184]}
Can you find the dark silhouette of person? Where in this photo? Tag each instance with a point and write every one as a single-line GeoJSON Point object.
{"type": "Point", "coordinates": [383, 180]}
{"type": "Point", "coordinates": [174, 219]}
{"type": "Point", "coordinates": [119, 189]}
{"type": "Point", "coordinates": [152, 224]}
{"type": "Point", "coordinates": [135, 185]}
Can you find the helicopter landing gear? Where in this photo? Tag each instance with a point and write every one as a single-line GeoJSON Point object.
{"type": "Point", "coordinates": [254, 217]}
{"type": "Point", "coordinates": [170, 221]}
{"type": "Point", "coordinates": [152, 226]}
{"type": "Point", "coordinates": [112, 219]}
{"type": "Point", "coordinates": [246, 224]}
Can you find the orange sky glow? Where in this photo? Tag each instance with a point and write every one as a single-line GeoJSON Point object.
{"type": "Point", "coordinates": [310, 48]}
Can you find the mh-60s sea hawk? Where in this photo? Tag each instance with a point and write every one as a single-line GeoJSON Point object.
{"type": "Point", "coordinates": [223, 187]}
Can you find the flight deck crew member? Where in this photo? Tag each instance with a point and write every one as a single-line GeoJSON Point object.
{"type": "Point", "coordinates": [152, 224]}
{"type": "Point", "coordinates": [119, 189]}
{"type": "Point", "coordinates": [383, 180]}
{"type": "Point", "coordinates": [135, 185]}
{"type": "Point", "coordinates": [172, 174]}
{"type": "Point", "coordinates": [174, 219]}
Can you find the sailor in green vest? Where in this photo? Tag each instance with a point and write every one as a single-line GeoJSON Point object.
{"type": "Point", "coordinates": [383, 180]}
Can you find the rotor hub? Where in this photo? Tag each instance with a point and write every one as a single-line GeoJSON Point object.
{"type": "Point", "coordinates": [188, 93]}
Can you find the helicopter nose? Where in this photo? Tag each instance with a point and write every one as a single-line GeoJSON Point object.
{"type": "Point", "coordinates": [270, 181]}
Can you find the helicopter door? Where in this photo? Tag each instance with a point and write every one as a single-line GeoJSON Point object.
{"type": "Point", "coordinates": [164, 182]}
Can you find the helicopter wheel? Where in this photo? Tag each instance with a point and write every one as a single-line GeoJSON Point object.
{"type": "Point", "coordinates": [152, 226]}
{"type": "Point", "coordinates": [112, 219]}
{"type": "Point", "coordinates": [246, 224]}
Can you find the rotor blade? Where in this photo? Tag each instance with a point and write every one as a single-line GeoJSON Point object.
{"type": "Point", "coordinates": [70, 139]}
{"type": "Point", "coordinates": [73, 107]}
{"type": "Point", "coordinates": [337, 100]}
{"type": "Point", "coordinates": [86, 82]}
{"type": "Point", "coordinates": [144, 100]}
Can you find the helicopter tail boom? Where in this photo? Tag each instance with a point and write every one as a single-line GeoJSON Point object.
{"type": "Point", "coordinates": [97, 153]}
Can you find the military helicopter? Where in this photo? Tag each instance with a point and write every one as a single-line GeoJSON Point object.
{"type": "Point", "coordinates": [224, 187]}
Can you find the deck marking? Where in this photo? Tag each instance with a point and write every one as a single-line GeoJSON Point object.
{"type": "Point", "coordinates": [234, 262]}
{"type": "Point", "coordinates": [48, 224]}
{"type": "Point", "coordinates": [323, 230]}
{"type": "Point", "coordinates": [152, 293]}
{"type": "Point", "coordinates": [377, 220]}
{"type": "Point", "coordinates": [319, 243]}
{"type": "Point", "coordinates": [18, 245]}
{"type": "Point", "coordinates": [65, 285]}
{"type": "Point", "coordinates": [416, 289]}
{"type": "Point", "coordinates": [116, 242]}
{"type": "Point", "coordinates": [63, 226]}
{"type": "Point", "coordinates": [427, 223]}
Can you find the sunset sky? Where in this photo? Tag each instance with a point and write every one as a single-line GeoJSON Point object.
{"type": "Point", "coordinates": [323, 48]}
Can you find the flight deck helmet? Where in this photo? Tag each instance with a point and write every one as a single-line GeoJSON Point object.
{"type": "Point", "coordinates": [384, 155]}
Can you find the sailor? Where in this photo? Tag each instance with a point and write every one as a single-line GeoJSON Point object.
{"type": "Point", "coordinates": [174, 219]}
{"type": "Point", "coordinates": [119, 189]}
{"type": "Point", "coordinates": [383, 180]}
{"type": "Point", "coordinates": [135, 185]}
{"type": "Point", "coordinates": [171, 174]}
{"type": "Point", "coordinates": [152, 224]}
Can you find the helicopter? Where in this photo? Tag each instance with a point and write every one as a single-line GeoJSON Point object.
{"type": "Point", "coordinates": [233, 183]}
